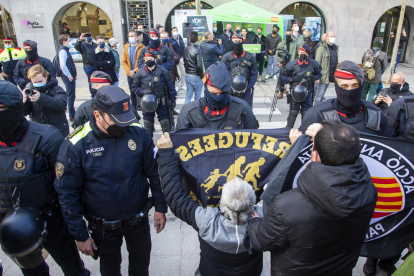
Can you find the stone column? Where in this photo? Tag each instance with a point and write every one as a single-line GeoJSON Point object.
{"type": "Point", "coordinates": [93, 24]}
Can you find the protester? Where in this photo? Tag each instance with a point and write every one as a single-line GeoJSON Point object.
{"type": "Point", "coordinates": [160, 28]}
{"type": "Point", "coordinates": [144, 37]}
{"type": "Point", "coordinates": [69, 73]}
{"type": "Point", "coordinates": [296, 34]}
{"type": "Point", "coordinates": [374, 61]}
{"type": "Point", "coordinates": [9, 56]}
{"type": "Point", "coordinates": [174, 72]}
{"type": "Point", "coordinates": [109, 185]}
{"type": "Point", "coordinates": [155, 80]}
{"type": "Point", "coordinates": [130, 55]}
{"type": "Point", "coordinates": [217, 109]}
{"type": "Point", "coordinates": [28, 153]}
{"type": "Point", "coordinates": [327, 57]}
{"type": "Point", "coordinates": [250, 32]}
{"type": "Point", "coordinates": [290, 45]}
{"type": "Point", "coordinates": [348, 106]}
{"type": "Point", "coordinates": [86, 47]}
{"type": "Point", "coordinates": [210, 51]}
{"type": "Point", "coordinates": [193, 69]}
{"type": "Point", "coordinates": [307, 39]}
{"type": "Point", "coordinates": [177, 43]}
{"type": "Point", "coordinates": [272, 42]}
{"type": "Point", "coordinates": [113, 45]}
{"type": "Point", "coordinates": [323, 38]}
{"type": "Point", "coordinates": [334, 201]}
{"type": "Point", "coordinates": [246, 39]}
{"type": "Point", "coordinates": [215, 32]}
{"type": "Point", "coordinates": [222, 231]}
{"type": "Point", "coordinates": [104, 60]}
{"type": "Point", "coordinates": [260, 57]}
{"type": "Point", "coordinates": [300, 72]}
{"type": "Point", "coordinates": [302, 27]}
{"type": "Point", "coordinates": [32, 58]}
{"type": "Point", "coordinates": [226, 39]}
{"type": "Point", "coordinates": [403, 38]}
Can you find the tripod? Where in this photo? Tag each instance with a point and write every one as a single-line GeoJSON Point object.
{"type": "Point", "coordinates": [277, 91]}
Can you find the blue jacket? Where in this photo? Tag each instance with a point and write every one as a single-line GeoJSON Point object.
{"type": "Point", "coordinates": [179, 49]}
{"type": "Point", "coordinates": [210, 52]}
{"type": "Point", "coordinates": [109, 176]}
{"type": "Point", "coordinates": [227, 42]}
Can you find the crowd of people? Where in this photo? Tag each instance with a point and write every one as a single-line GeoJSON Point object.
{"type": "Point", "coordinates": [102, 172]}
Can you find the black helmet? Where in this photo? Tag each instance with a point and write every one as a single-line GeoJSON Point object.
{"type": "Point", "coordinates": [238, 84]}
{"type": "Point", "coordinates": [149, 102]}
{"type": "Point", "coordinates": [22, 232]}
{"type": "Point", "coordinates": [299, 93]}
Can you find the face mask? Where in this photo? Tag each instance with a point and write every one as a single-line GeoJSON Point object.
{"type": "Point", "coordinates": [396, 87]}
{"type": "Point", "coordinates": [88, 39]}
{"type": "Point", "coordinates": [175, 33]}
{"type": "Point", "coordinates": [8, 46]}
{"type": "Point", "coordinates": [117, 46]}
{"type": "Point", "coordinates": [32, 55]}
{"type": "Point", "coordinates": [332, 40]}
{"type": "Point", "coordinates": [237, 48]}
{"type": "Point", "coordinates": [11, 121]}
{"type": "Point", "coordinates": [249, 29]}
{"type": "Point", "coordinates": [259, 33]}
{"type": "Point", "coordinates": [154, 38]}
{"type": "Point", "coordinates": [303, 57]}
{"type": "Point", "coordinates": [149, 63]}
{"type": "Point", "coordinates": [154, 43]}
{"type": "Point", "coordinates": [216, 101]}
{"type": "Point", "coordinates": [94, 90]}
{"type": "Point", "coordinates": [229, 30]}
{"type": "Point", "coordinates": [274, 32]}
{"type": "Point", "coordinates": [349, 99]}
{"type": "Point", "coordinates": [215, 29]}
{"type": "Point", "coordinates": [296, 28]}
{"type": "Point", "coordinates": [101, 45]}
{"type": "Point", "coordinates": [39, 84]}
{"type": "Point", "coordinates": [116, 132]}
{"type": "Point", "coordinates": [131, 40]}
{"type": "Point", "coordinates": [237, 31]}
{"type": "Point", "coordinates": [164, 41]}
{"type": "Point", "coordinates": [288, 37]}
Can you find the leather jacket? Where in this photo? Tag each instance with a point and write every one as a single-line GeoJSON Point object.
{"type": "Point", "coordinates": [192, 61]}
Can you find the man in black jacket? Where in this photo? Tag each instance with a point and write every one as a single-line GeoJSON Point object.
{"type": "Point", "coordinates": [103, 59]}
{"type": "Point", "coordinates": [226, 39]}
{"type": "Point", "coordinates": [318, 228]}
{"type": "Point", "coordinates": [86, 47]}
{"type": "Point", "coordinates": [193, 69]}
{"type": "Point", "coordinates": [272, 41]}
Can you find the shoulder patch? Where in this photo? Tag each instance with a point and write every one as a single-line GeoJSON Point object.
{"type": "Point", "coordinates": [17, 48]}
{"type": "Point", "coordinates": [76, 130]}
{"type": "Point", "coordinates": [2, 50]}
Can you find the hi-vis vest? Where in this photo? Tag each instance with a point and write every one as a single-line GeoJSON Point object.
{"type": "Point", "coordinates": [16, 55]}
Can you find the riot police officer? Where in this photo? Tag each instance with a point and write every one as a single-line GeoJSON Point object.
{"type": "Point", "coordinates": [28, 153]}
{"type": "Point", "coordinates": [243, 68]}
{"type": "Point", "coordinates": [106, 164]}
{"type": "Point", "coordinates": [301, 73]}
{"type": "Point", "coordinates": [348, 107]}
{"type": "Point", "coordinates": [217, 109]}
{"type": "Point", "coordinates": [9, 56]}
{"type": "Point", "coordinates": [155, 86]}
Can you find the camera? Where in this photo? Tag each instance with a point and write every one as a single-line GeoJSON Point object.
{"type": "Point", "coordinates": [285, 56]}
{"type": "Point", "coordinates": [29, 89]}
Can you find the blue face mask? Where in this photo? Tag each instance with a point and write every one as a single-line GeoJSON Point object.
{"type": "Point", "coordinates": [216, 101]}
{"type": "Point", "coordinates": [88, 39]}
{"type": "Point", "coordinates": [40, 84]}
{"type": "Point", "coordinates": [131, 40]}
{"type": "Point", "coordinates": [101, 45]}
{"type": "Point", "coordinates": [164, 41]}
{"type": "Point", "coordinates": [238, 31]}
{"type": "Point", "coordinates": [8, 46]}
{"type": "Point", "coordinates": [230, 30]}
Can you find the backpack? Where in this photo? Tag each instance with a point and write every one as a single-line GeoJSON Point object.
{"type": "Point", "coordinates": [56, 66]}
{"type": "Point", "coordinates": [368, 62]}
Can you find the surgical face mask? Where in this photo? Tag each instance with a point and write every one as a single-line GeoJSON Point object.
{"type": "Point", "coordinates": [214, 101]}
{"type": "Point", "coordinates": [332, 40]}
{"type": "Point", "coordinates": [88, 39]}
{"type": "Point", "coordinates": [303, 57]}
{"type": "Point", "coordinates": [259, 33]}
{"type": "Point", "coordinates": [175, 33]}
{"type": "Point", "coordinates": [117, 45]}
{"type": "Point", "coordinates": [149, 63]}
{"type": "Point", "coordinates": [39, 84]}
{"type": "Point", "coordinates": [349, 99]}
{"type": "Point", "coordinates": [8, 46]}
{"type": "Point", "coordinates": [396, 87]}
{"type": "Point", "coordinates": [249, 29]}
{"type": "Point", "coordinates": [154, 38]}
{"type": "Point", "coordinates": [164, 41]}
{"type": "Point", "coordinates": [102, 45]}
{"type": "Point", "coordinates": [131, 40]}
{"type": "Point", "coordinates": [215, 29]}
{"type": "Point", "coordinates": [296, 28]}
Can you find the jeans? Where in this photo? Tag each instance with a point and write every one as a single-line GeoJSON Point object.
{"type": "Point", "coordinates": [271, 63]}
{"type": "Point", "coordinates": [138, 242]}
{"type": "Point", "coordinates": [182, 72]}
{"type": "Point", "coordinates": [70, 91]}
{"type": "Point", "coordinates": [322, 87]}
{"type": "Point", "coordinates": [370, 90]}
{"type": "Point", "coordinates": [260, 61]}
{"type": "Point", "coordinates": [399, 55]}
{"type": "Point", "coordinates": [117, 76]}
{"type": "Point", "coordinates": [194, 85]}
{"type": "Point", "coordinates": [133, 95]}
{"type": "Point", "coordinates": [88, 71]}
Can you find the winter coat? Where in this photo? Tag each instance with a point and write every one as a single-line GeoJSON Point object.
{"type": "Point", "coordinates": [225, 247]}
{"type": "Point", "coordinates": [263, 43]}
{"type": "Point", "coordinates": [105, 61]}
{"type": "Point", "coordinates": [192, 61]}
{"type": "Point", "coordinates": [126, 63]}
{"type": "Point", "coordinates": [380, 65]}
{"type": "Point", "coordinates": [271, 43]}
{"type": "Point", "coordinates": [210, 52]}
{"type": "Point", "coordinates": [323, 58]}
{"type": "Point", "coordinates": [402, 127]}
{"type": "Point", "coordinates": [50, 108]}
{"type": "Point", "coordinates": [116, 56]}
{"type": "Point", "coordinates": [405, 91]}
{"type": "Point", "coordinates": [318, 228]}
{"type": "Point", "coordinates": [293, 49]}
{"type": "Point", "coordinates": [308, 41]}
{"type": "Point", "coordinates": [178, 48]}
{"type": "Point", "coordinates": [174, 71]}
{"type": "Point", "coordinates": [227, 42]}
{"type": "Point", "coordinates": [87, 51]}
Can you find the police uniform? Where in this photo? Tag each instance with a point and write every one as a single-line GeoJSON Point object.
{"type": "Point", "coordinates": [401, 118]}
{"type": "Point", "coordinates": [158, 82]}
{"type": "Point", "coordinates": [234, 113]}
{"type": "Point", "coordinates": [9, 58]}
{"type": "Point", "coordinates": [309, 71]}
{"type": "Point", "coordinates": [27, 164]}
{"type": "Point", "coordinates": [110, 177]}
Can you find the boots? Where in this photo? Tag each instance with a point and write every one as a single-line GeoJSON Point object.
{"type": "Point", "coordinates": [149, 127]}
{"type": "Point", "coordinates": [292, 118]}
{"type": "Point", "coordinates": [165, 125]}
{"type": "Point", "coordinates": [370, 267]}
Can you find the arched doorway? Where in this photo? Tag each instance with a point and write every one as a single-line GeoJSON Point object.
{"type": "Point", "coordinates": [6, 25]}
{"type": "Point", "coordinates": [386, 27]}
{"type": "Point", "coordinates": [188, 5]}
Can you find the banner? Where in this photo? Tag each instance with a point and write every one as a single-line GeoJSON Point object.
{"type": "Point", "coordinates": [199, 25]}
{"type": "Point", "coordinates": [210, 158]}
{"type": "Point", "coordinates": [314, 25]}
{"type": "Point", "coordinates": [251, 48]}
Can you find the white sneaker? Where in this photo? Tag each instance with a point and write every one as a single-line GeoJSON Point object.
{"type": "Point", "coordinates": [267, 76]}
{"type": "Point", "coordinates": [275, 77]}
{"type": "Point", "coordinates": [183, 87]}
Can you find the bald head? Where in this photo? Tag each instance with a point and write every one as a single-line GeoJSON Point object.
{"type": "Point", "coordinates": [330, 37]}
{"type": "Point", "coordinates": [398, 77]}
{"type": "Point", "coordinates": [323, 37]}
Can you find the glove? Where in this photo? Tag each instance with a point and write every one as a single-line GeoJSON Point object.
{"type": "Point", "coordinates": [295, 79]}
{"type": "Point", "coordinates": [147, 92]}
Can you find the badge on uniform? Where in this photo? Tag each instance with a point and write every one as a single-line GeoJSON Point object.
{"type": "Point", "coordinates": [60, 169]}
{"type": "Point", "coordinates": [158, 57]}
{"type": "Point", "coordinates": [15, 54]}
{"type": "Point", "coordinates": [126, 106]}
{"type": "Point", "coordinates": [308, 73]}
{"type": "Point", "coordinates": [19, 165]}
{"type": "Point", "coordinates": [132, 145]}
{"type": "Point", "coordinates": [155, 78]}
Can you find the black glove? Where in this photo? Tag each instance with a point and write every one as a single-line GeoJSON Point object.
{"type": "Point", "coordinates": [172, 104]}
{"type": "Point", "coordinates": [296, 79]}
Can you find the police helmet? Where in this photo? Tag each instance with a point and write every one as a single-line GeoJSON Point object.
{"type": "Point", "coordinates": [299, 93]}
{"type": "Point", "coordinates": [22, 232]}
{"type": "Point", "coordinates": [239, 84]}
{"type": "Point", "coordinates": [149, 102]}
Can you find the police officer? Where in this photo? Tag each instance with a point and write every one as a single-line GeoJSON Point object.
{"type": "Point", "coordinates": [401, 118]}
{"type": "Point", "coordinates": [243, 68]}
{"type": "Point", "coordinates": [217, 109]}
{"type": "Point", "coordinates": [301, 73]}
{"type": "Point", "coordinates": [106, 165]}
{"type": "Point", "coordinates": [155, 82]}
{"type": "Point", "coordinates": [85, 110]}
{"type": "Point", "coordinates": [28, 153]}
{"type": "Point", "coordinates": [348, 107]}
{"type": "Point", "coordinates": [9, 56]}
{"type": "Point", "coordinates": [32, 58]}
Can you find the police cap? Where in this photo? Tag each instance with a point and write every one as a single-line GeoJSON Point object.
{"type": "Point", "coordinates": [10, 95]}
{"type": "Point", "coordinates": [218, 76]}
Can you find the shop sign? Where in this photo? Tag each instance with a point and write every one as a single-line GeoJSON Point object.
{"type": "Point", "coordinates": [32, 22]}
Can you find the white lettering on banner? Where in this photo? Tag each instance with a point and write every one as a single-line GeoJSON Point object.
{"type": "Point", "coordinates": [94, 150]}
{"type": "Point", "coordinates": [247, 17]}
{"type": "Point", "coordinates": [196, 20]}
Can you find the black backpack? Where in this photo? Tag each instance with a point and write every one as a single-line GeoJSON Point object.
{"type": "Point", "coordinates": [56, 66]}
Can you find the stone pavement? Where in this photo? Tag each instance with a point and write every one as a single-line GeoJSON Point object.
{"type": "Point", "coordinates": [175, 251]}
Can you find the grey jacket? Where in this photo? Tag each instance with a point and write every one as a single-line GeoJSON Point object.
{"type": "Point", "coordinates": [116, 56]}
{"type": "Point", "coordinates": [380, 64]}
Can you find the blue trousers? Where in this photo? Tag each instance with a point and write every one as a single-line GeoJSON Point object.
{"type": "Point", "coordinates": [70, 91]}
{"type": "Point", "coordinates": [133, 95]}
{"type": "Point", "coordinates": [194, 86]}
{"type": "Point", "coordinates": [88, 71]}
{"type": "Point", "coordinates": [247, 97]}
{"type": "Point", "coordinates": [305, 105]}
{"type": "Point", "coordinates": [399, 55]}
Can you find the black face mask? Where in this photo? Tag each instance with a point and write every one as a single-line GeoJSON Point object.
{"type": "Point", "coordinates": [94, 90]}
{"type": "Point", "coordinates": [214, 101]}
{"type": "Point", "coordinates": [150, 63]}
{"type": "Point", "coordinates": [288, 37]}
{"type": "Point", "coordinates": [116, 132]}
{"type": "Point", "coordinates": [395, 87]}
{"type": "Point", "coordinates": [303, 57]}
{"type": "Point", "coordinates": [274, 32]}
{"type": "Point", "coordinates": [32, 55]}
{"type": "Point", "coordinates": [349, 100]}
{"type": "Point", "coordinates": [237, 48]}
{"type": "Point", "coordinates": [154, 44]}
{"type": "Point", "coordinates": [11, 123]}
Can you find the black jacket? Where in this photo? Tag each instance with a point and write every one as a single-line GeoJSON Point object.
{"type": "Point", "coordinates": [272, 43]}
{"type": "Point", "coordinates": [105, 62]}
{"type": "Point", "coordinates": [50, 108]}
{"type": "Point", "coordinates": [22, 67]}
{"type": "Point", "coordinates": [87, 51]}
{"type": "Point", "coordinates": [262, 41]}
{"type": "Point", "coordinates": [319, 227]}
{"type": "Point", "coordinates": [405, 91]}
{"type": "Point", "coordinates": [227, 42]}
{"type": "Point", "coordinates": [192, 61]}
{"type": "Point", "coordinates": [402, 127]}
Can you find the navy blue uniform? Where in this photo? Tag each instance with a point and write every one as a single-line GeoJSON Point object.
{"type": "Point", "coordinates": [23, 66]}
{"type": "Point", "coordinates": [164, 57]}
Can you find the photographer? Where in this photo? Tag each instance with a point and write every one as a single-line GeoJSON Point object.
{"type": "Point", "coordinates": [210, 51]}
{"type": "Point", "coordinates": [301, 75]}
{"type": "Point", "coordinates": [86, 47]}
{"type": "Point", "coordinates": [44, 100]}
{"type": "Point", "coordinates": [284, 57]}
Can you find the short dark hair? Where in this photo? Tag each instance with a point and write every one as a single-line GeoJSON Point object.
{"type": "Point", "coordinates": [174, 28]}
{"type": "Point", "coordinates": [337, 143]}
{"type": "Point", "coordinates": [260, 29]}
{"type": "Point", "coordinates": [193, 37]}
{"type": "Point", "coordinates": [133, 31]}
{"type": "Point", "coordinates": [244, 29]}
{"type": "Point", "coordinates": [158, 28]}
{"type": "Point", "coordinates": [275, 26]}
{"type": "Point", "coordinates": [100, 37]}
{"type": "Point", "coordinates": [62, 38]}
